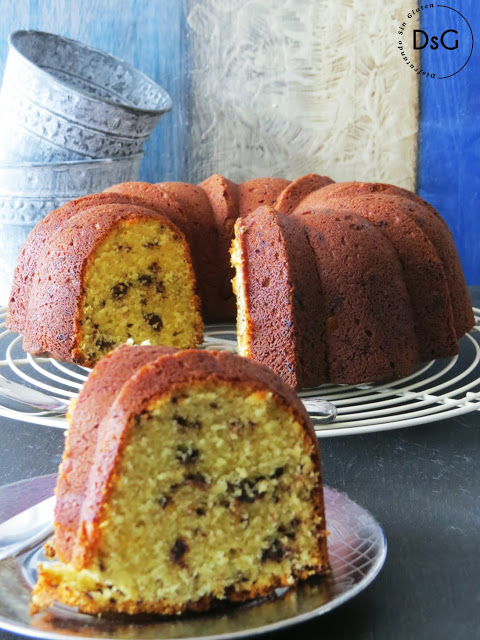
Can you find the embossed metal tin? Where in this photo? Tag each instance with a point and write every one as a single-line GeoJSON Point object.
{"type": "Point", "coordinates": [62, 100]}
{"type": "Point", "coordinates": [29, 191]}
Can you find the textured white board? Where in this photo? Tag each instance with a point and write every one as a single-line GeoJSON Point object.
{"type": "Point", "coordinates": [292, 87]}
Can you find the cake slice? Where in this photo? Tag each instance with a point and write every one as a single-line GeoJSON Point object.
{"type": "Point", "coordinates": [205, 485]}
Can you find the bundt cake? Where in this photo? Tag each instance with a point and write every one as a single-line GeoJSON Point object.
{"type": "Point", "coordinates": [433, 297]}
{"type": "Point", "coordinates": [188, 477]}
{"type": "Point", "coordinates": [110, 274]}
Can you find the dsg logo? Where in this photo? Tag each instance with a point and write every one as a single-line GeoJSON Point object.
{"type": "Point", "coordinates": [444, 39]}
{"type": "Point", "coordinates": [434, 40]}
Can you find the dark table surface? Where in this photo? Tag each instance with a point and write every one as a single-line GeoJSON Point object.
{"type": "Point", "coordinates": [421, 483]}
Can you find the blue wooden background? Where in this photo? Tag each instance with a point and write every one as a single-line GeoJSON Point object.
{"type": "Point", "coordinates": [152, 35]}
{"type": "Point", "coordinates": [448, 172]}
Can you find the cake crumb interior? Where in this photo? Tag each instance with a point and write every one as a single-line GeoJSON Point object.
{"type": "Point", "coordinates": [139, 286]}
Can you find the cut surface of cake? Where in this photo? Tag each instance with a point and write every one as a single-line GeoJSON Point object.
{"type": "Point", "coordinates": [205, 485]}
{"type": "Point", "coordinates": [112, 273]}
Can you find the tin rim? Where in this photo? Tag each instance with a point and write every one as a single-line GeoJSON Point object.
{"type": "Point", "coordinates": [14, 45]}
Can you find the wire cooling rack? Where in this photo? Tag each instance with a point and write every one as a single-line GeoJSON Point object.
{"type": "Point", "coordinates": [438, 390]}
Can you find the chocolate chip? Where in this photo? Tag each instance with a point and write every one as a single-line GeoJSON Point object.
{"type": "Point", "coordinates": [103, 343]}
{"type": "Point", "coordinates": [151, 244]}
{"type": "Point", "coordinates": [144, 278]}
{"type": "Point", "coordinates": [289, 530]}
{"type": "Point", "coordinates": [154, 321]}
{"type": "Point", "coordinates": [178, 550]}
{"type": "Point", "coordinates": [187, 454]}
{"type": "Point", "coordinates": [246, 490]}
{"type": "Point", "coordinates": [200, 511]}
{"type": "Point", "coordinates": [119, 290]}
{"type": "Point", "coordinates": [160, 287]}
{"type": "Point", "coordinates": [164, 501]}
{"type": "Point", "coordinates": [235, 424]}
{"type": "Point", "coordinates": [274, 552]}
{"type": "Point", "coordinates": [197, 480]}
{"type": "Point", "coordinates": [185, 424]}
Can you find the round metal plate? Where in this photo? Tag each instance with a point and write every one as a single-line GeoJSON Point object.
{"type": "Point", "coordinates": [357, 551]}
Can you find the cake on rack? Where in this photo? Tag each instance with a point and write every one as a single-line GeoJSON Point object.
{"type": "Point", "coordinates": [188, 477]}
{"type": "Point", "coordinates": [365, 282]}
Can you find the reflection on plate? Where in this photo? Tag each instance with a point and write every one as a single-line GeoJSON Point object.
{"type": "Point", "coordinates": [357, 550]}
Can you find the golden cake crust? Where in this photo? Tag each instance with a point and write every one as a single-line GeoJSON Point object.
{"type": "Point", "coordinates": [284, 317]}
{"type": "Point", "coordinates": [259, 191]}
{"type": "Point", "coordinates": [369, 329]}
{"type": "Point", "coordinates": [224, 199]}
{"type": "Point", "coordinates": [339, 195]}
{"type": "Point", "coordinates": [296, 191]}
{"type": "Point", "coordinates": [196, 206]}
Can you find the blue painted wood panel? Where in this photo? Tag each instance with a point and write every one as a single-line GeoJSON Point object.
{"type": "Point", "coordinates": [449, 145]}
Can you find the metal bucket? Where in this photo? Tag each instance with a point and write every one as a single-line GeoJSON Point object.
{"type": "Point", "coordinates": [62, 100]}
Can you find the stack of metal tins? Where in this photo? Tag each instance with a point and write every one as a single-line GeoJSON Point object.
{"type": "Point", "coordinates": [74, 121]}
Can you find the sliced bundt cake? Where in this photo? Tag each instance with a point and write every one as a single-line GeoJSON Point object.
{"type": "Point", "coordinates": [437, 298]}
{"type": "Point", "coordinates": [205, 484]}
{"type": "Point", "coordinates": [112, 273]}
